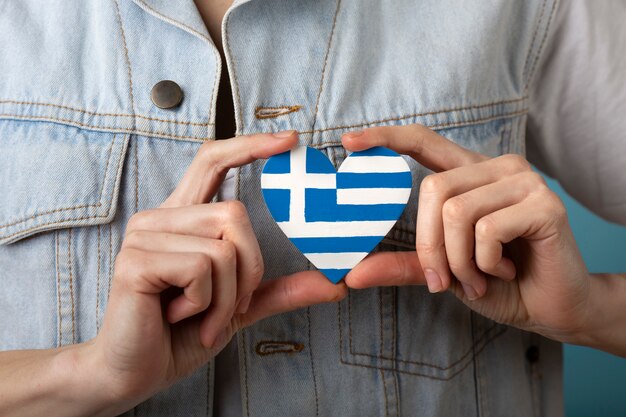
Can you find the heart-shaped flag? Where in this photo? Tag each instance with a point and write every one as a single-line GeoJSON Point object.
{"type": "Point", "coordinates": [334, 217]}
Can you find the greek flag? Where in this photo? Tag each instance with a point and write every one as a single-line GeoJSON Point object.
{"type": "Point", "coordinates": [334, 217]}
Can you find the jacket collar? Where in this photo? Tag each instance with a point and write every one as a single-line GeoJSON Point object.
{"type": "Point", "coordinates": [183, 14]}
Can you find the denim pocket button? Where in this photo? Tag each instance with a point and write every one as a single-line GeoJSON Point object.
{"type": "Point", "coordinates": [166, 94]}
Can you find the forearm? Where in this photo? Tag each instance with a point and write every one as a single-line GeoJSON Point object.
{"type": "Point", "coordinates": [52, 382]}
{"type": "Point", "coordinates": [605, 325]}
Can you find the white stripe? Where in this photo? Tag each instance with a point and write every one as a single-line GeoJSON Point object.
{"type": "Point", "coordinates": [374, 164]}
{"type": "Point", "coordinates": [297, 161]}
{"type": "Point", "coordinates": [340, 260]}
{"type": "Point", "coordinates": [288, 181]}
{"type": "Point", "coordinates": [336, 229]}
{"type": "Point", "coordinates": [366, 196]}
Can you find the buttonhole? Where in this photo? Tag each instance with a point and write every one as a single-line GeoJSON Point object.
{"type": "Point", "coordinates": [265, 348]}
{"type": "Point", "coordinates": [270, 112]}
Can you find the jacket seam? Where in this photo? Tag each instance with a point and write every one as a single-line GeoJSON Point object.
{"type": "Point", "coordinates": [218, 74]}
{"type": "Point", "coordinates": [428, 113]}
{"type": "Point", "coordinates": [318, 146]}
{"type": "Point", "coordinates": [394, 313]}
{"type": "Point", "coordinates": [397, 393]}
{"type": "Point", "coordinates": [110, 272]}
{"type": "Point", "coordinates": [356, 124]}
{"type": "Point", "coordinates": [101, 128]}
{"type": "Point", "coordinates": [381, 347]}
{"type": "Point", "coordinates": [433, 127]}
{"type": "Point", "coordinates": [330, 40]}
{"type": "Point", "coordinates": [245, 373]}
{"type": "Point", "coordinates": [58, 222]}
{"type": "Point", "coordinates": [60, 316]}
{"type": "Point", "coordinates": [71, 282]}
{"type": "Point", "coordinates": [543, 41]}
{"type": "Point", "coordinates": [136, 158]}
{"type": "Point", "coordinates": [128, 67]}
{"type": "Point", "coordinates": [381, 330]}
{"type": "Point", "coordinates": [477, 397]}
{"type": "Point", "coordinates": [534, 39]}
{"type": "Point", "coordinates": [317, 401]}
{"type": "Point", "coordinates": [60, 106]}
{"type": "Point", "coordinates": [98, 282]}
{"type": "Point", "coordinates": [382, 376]}
{"type": "Point", "coordinates": [232, 70]}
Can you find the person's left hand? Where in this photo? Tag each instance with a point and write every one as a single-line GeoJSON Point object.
{"type": "Point", "coordinates": [488, 229]}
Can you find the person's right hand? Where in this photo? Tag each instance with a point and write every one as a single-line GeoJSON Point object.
{"type": "Point", "coordinates": [188, 277]}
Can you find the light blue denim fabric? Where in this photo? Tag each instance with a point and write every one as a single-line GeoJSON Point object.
{"type": "Point", "coordinates": [82, 148]}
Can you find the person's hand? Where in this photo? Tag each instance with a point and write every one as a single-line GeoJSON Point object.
{"type": "Point", "coordinates": [188, 277]}
{"type": "Point", "coordinates": [488, 229]}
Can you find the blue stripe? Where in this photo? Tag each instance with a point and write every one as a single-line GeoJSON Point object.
{"type": "Point", "coordinates": [335, 275]}
{"type": "Point", "coordinates": [318, 163]}
{"type": "Point", "coordinates": [375, 151]}
{"type": "Point", "coordinates": [374, 180]}
{"type": "Point", "coordinates": [278, 164]}
{"type": "Point", "coordinates": [321, 206]}
{"type": "Point", "coordinates": [336, 244]}
{"type": "Point", "coordinates": [278, 202]}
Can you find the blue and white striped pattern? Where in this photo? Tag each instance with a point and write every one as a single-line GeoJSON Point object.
{"type": "Point", "coordinates": [336, 217]}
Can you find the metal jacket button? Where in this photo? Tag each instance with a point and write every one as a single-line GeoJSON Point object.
{"type": "Point", "coordinates": [166, 94]}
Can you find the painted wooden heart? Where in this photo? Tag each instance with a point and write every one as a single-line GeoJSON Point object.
{"type": "Point", "coordinates": [334, 217]}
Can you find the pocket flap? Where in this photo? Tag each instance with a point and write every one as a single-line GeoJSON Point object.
{"type": "Point", "coordinates": [54, 176]}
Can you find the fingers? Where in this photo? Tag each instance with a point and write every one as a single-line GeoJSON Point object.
{"type": "Point", "coordinates": [439, 205]}
{"type": "Point", "coordinates": [479, 222]}
{"type": "Point", "coordinates": [461, 213]}
{"type": "Point", "coordinates": [226, 221]}
{"type": "Point", "coordinates": [141, 271]}
{"type": "Point", "coordinates": [222, 280]}
{"type": "Point", "coordinates": [537, 217]}
{"type": "Point", "coordinates": [224, 293]}
{"type": "Point", "coordinates": [386, 269]}
{"type": "Point", "coordinates": [420, 143]}
{"type": "Point", "coordinates": [457, 209]}
{"type": "Point", "coordinates": [215, 158]}
{"type": "Point", "coordinates": [289, 293]}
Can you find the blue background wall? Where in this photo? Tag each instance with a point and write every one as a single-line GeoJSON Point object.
{"type": "Point", "coordinates": [595, 382]}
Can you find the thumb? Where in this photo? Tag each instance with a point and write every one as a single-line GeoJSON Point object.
{"type": "Point", "coordinates": [289, 293]}
{"type": "Point", "coordinates": [214, 158]}
{"type": "Point", "coordinates": [386, 269]}
{"type": "Point", "coordinates": [427, 147]}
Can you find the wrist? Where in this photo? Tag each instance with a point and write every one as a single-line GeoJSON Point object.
{"type": "Point", "coordinates": [84, 384]}
{"type": "Point", "coordinates": [584, 326]}
{"type": "Point", "coordinates": [602, 324]}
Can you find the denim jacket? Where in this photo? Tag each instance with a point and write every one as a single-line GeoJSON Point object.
{"type": "Point", "coordinates": [83, 147]}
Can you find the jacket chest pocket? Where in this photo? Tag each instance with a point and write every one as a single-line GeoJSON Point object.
{"type": "Point", "coordinates": [406, 329]}
{"type": "Point", "coordinates": [59, 188]}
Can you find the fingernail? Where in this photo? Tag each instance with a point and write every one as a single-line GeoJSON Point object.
{"type": "Point", "coordinates": [220, 340]}
{"type": "Point", "coordinates": [470, 292]}
{"type": "Point", "coordinates": [433, 280]}
{"type": "Point", "coordinates": [354, 133]}
{"type": "Point", "coordinates": [242, 308]}
{"type": "Point", "coordinates": [284, 133]}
